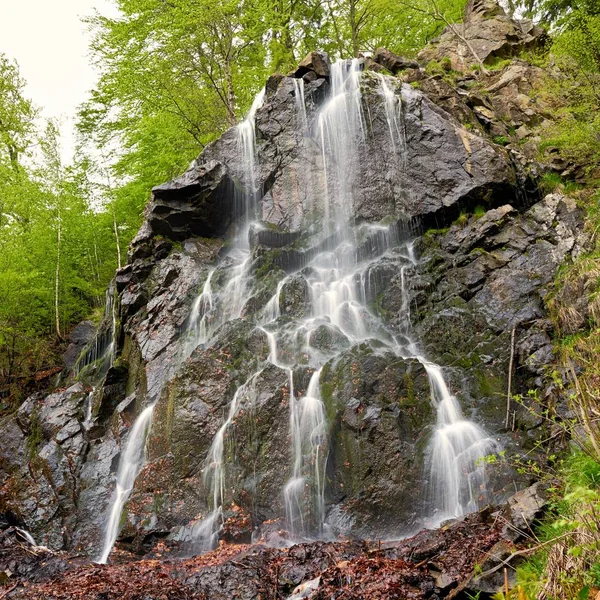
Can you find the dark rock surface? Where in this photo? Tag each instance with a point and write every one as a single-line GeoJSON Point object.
{"type": "Point", "coordinates": [432, 564]}
{"type": "Point", "coordinates": [78, 339]}
{"type": "Point", "coordinates": [487, 252]}
{"type": "Point", "coordinates": [490, 33]}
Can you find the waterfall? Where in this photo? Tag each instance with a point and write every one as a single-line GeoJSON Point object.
{"type": "Point", "coordinates": [309, 432]}
{"type": "Point", "coordinates": [246, 139]}
{"type": "Point", "coordinates": [101, 350]}
{"type": "Point", "coordinates": [130, 465]}
{"type": "Point", "coordinates": [341, 128]}
{"type": "Point", "coordinates": [457, 475]}
{"type": "Point", "coordinates": [199, 322]}
{"type": "Point", "coordinates": [394, 117]}
{"type": "Point", "coordinates": [214, 472]}
{"type": "Point", "coordinates": [340, 284]}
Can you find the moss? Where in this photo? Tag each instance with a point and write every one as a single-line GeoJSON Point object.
{"type": "Point", "coordinates": [488, 383]}
{"type": "Point", "coordinates": [266, 264]}
{"type": "Point", "coordinates": [435, 232]}
{"type": "Point", "coordinates": [409, 385]}
{"type": "Point", "coordinates": [479, 211]}
{"type": "Point", "coordinates": [501, 140]}
{"type": "Point", "coordinates": [498, 64]}
{"type": "Point", "coordinates": [35, 436]}
{"type": "Point", "coordinates": [462, 219]}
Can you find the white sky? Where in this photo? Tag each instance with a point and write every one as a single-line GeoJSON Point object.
{"type": "Point", "coordinates": [50, 43]}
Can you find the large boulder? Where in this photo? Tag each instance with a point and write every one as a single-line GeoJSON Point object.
{"type": "Point", "coordinates": [487, 33]}
{"type": "Point", "coordinates": [202, 202]}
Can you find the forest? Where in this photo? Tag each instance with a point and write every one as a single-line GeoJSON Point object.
{"type": "Point", "coordinates": [175, 75]}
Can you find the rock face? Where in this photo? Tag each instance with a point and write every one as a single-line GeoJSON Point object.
{"type": "Point", "coordinates": [290, 361]}
{"type": "Point", "coordinates": [486, 32]}
{"type": "Point", "coordinates": [420, 181]}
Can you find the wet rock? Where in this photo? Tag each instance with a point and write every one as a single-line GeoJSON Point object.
{"type": "Point", "coordinates": [271, 237]}
{"type": "Point", "coordinates": [378, 406]}
{"type": "Point", "coordinates": [327, 338]}
{"type": "Point", "coordinates": [392, 62]}
{"type": "Point", "coordinates": [294, 297]}
{"type": "Point", "coordinates": [199, 203]}
{"type": "Point", "coordinates": [81, 335]}
{"type": "Point", "coordinates": [317, 62]}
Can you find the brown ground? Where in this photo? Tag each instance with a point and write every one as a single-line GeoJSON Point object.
{"type": "Point", "coordinates": [432, 564]}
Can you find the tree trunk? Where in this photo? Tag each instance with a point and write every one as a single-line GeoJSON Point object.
{"type": "Point", "coordinates": [354, 28]}
{"type": "Point", "coordinates": [230, 93]}
{"type": "Point", "coordinates": [117, 239]}
{"type": "Point", "coordinates": [57, 279]}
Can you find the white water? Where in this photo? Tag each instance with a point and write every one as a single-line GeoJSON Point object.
{"type": "Point", "coordinates": [457, 474]}
{"type": "Point", "coordinates": [394, 117]}
{"type": "Point", "coordinates": [28, 537]}
{"type": "Point", "coordinates": [246, 134]}
{"type": "Point", "coordinates": [309, 436]}
{"type": "Point", "coordinates": [201, 323]}
{"type": "Point", "coordinates": [102, 349]}
{"type": "Point", "coordinates": [340, 284]}
{"type": "Point", "coordinates": [130, 465]}
{"type": "Point", "coordinates": [341, 128]}
{"type": "Point", "coordinates": [89, 421]}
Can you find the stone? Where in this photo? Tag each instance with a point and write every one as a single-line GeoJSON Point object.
{"type": "Point", "coordinates": [490, 34]}
{"type": "Point", "coordinates": [317, 62]}
{"type": "Point", "coordinates": [79, 337]}
{"type": "Point", "coordinates": [485, 250]}
{"type": "Point", "coordinates": [294, 297]}
{"type": "Point", "coordinates": [271, 237]}
{"type": "Point", "coordinates": [494, 582]}
{"type": "Point", "coordinates": [392, 62]}
{"type": "Point", "coordinates": [523, 510]}
{"type": "Point", "coordinates": [199, 203]}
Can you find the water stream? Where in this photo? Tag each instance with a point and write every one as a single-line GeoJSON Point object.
{"type": "Point", "coordinates": [340, 283]}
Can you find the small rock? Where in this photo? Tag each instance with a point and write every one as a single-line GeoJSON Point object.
{"type": "Point", "coordinates": [317, 62]}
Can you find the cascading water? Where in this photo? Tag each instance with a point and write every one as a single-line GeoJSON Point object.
{"type": "Point", "coordinates": [246, 134]}
{"type": "Point", "coordinates": [341, 128]}
{"type": "Point", "coordinates": [457, 475]}
{"type": "Point", "coordinates": [197, 332]}
{"type": "Point", "coordinates": [338, 279]}
{"type": "Point", "coordinates": [394, 118]}
{"type": "Point", "coordinates": [340, 285]}
{"type": "Point", "coordinates": [130, 466]}
{"type": "Point", "coordinates": [199, 322]}
{"type": "Point", "coordinates": [309, 434]}
{"type": "Point", "coordinates": [101, 351]}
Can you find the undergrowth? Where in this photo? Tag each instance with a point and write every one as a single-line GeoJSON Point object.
{"type": "Point", "coordinates": [567, 564]}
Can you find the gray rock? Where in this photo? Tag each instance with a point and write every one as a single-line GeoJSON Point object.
{"type": "Point", "coordinates": [524, 508]}
{"type": "Point", "coordinates": [317, 62]}
{"type": "Point", "coordinates": [489, 32]}
{"type": "Point", "coordinates": [392, 62]}
{"type": "Point", "coordinates": [199, 203]}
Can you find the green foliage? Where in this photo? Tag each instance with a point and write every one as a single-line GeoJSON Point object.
{"type": "Point", "coordinates": [566, 563]}
{"type": "Point", "coordinates": [55, 251]}
{"type": "Point", "coordinates": [501, 140]}
{"type": "Point", "coordinates": [573, 87]}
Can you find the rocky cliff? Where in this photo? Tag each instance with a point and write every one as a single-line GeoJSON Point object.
{"type": "Point", "coordinates": [320, 310]}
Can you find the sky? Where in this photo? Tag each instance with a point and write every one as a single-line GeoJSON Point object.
{"type": "Point", "coordinates": [50, 43]}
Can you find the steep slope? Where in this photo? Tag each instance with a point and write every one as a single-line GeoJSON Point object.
{"type": "Point", "coordinates": [294, 351]}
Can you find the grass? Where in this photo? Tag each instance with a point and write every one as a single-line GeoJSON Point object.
{"type": "Point", "coordinates": [568, 562]}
